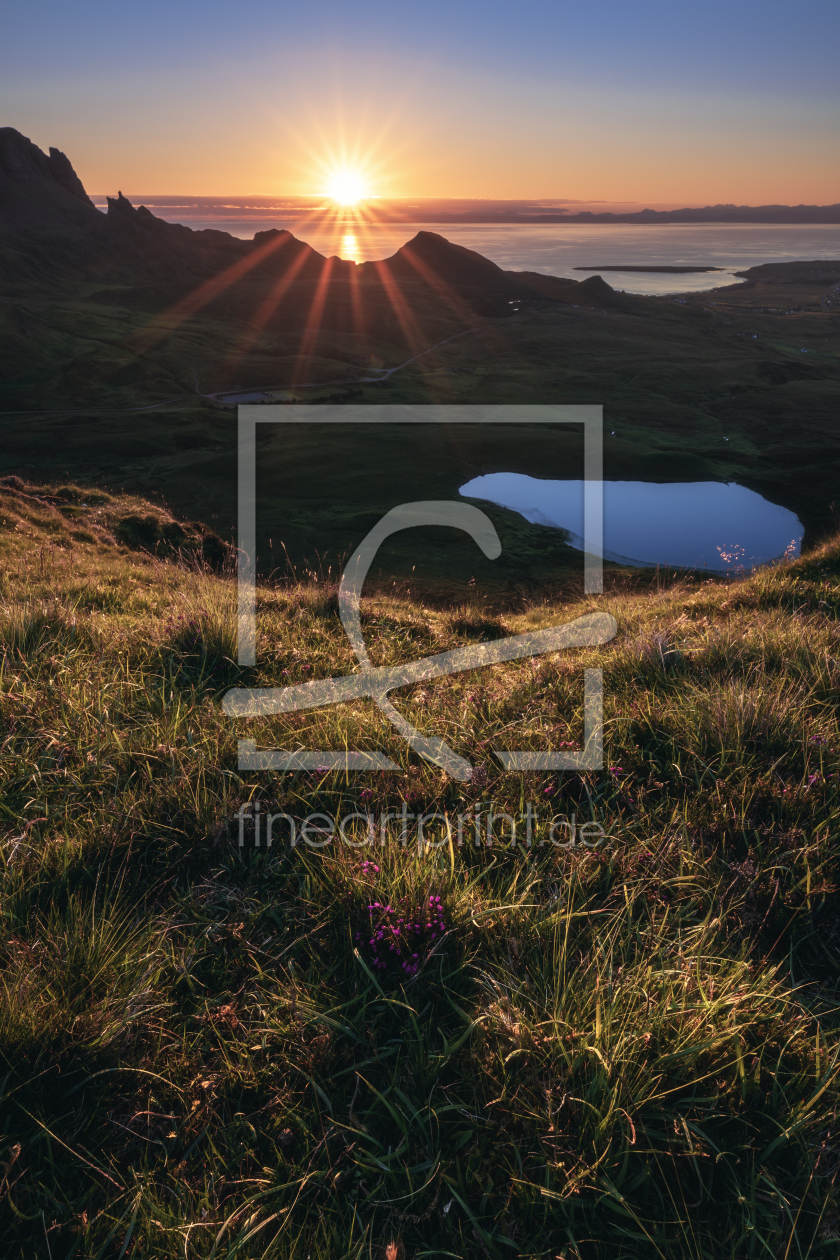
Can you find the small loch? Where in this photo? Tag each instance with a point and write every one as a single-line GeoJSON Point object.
{"type": "Point", "coordinates": [719, 526]}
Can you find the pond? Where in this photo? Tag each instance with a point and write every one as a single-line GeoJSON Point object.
{"type": "Point", "coordinates": [720, 526]}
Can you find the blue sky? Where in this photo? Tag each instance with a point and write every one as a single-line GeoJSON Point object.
{"type": "Point", "coordinates": [656, 102]}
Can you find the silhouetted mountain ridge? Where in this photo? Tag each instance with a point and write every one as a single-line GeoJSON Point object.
{"type": "Point", "coordinates": [43, 194]}
{"type": "Point", "coordinates": [52, 229]}
{"type": "Point", "coordinates": [429, 255]}
{"type": "Point", "coordinates": [37, 190]}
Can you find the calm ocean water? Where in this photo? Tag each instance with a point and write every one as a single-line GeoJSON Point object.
{"type": "Point", "coordinates": [554, 249]}
{"type": "Point", "coordinates": [557, 249]}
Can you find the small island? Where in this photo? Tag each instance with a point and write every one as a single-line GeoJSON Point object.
{"type": "Point", "coordinates": [673, 271]}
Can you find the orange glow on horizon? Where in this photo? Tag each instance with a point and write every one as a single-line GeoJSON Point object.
{"type": "Point", "coordinates": [353, 145]}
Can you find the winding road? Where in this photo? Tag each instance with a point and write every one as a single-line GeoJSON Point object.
{"type": "Point", "coordinates": [261, 394]}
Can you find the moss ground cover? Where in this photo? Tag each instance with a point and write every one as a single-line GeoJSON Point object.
{"type": "Point", "coordinates": [624, 1047]}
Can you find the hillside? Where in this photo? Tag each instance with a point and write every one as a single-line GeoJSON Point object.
{"type": "Point", "coordinates": [137, 337]}
{"type": "Point", "coordinates": [626, 1048]}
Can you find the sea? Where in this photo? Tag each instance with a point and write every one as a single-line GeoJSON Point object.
{"type": "Point", "coordinates": [555, 249]}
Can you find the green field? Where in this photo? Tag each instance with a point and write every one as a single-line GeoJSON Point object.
{"type": "Point", "coordinates": [726, 385]}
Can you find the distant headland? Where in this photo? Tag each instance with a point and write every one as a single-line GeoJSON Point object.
{"type": "Point", "coordinates": [439, 211]}
{"type": "Point", "coordinates": [455, 211]}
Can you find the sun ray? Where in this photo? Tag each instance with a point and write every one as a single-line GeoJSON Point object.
{"type": "Point", "coordinates": [267, 308]}
{"type": "Point", "coordinates": [163, 324]}
{"type": "Point", "coordinates": [459, 307]}
{"type": "Point", "coordinates": [405, 317]}
{"type": "Point", "coordinates": [357, 315]}
{"type": "Point", "coordinates": [313, 319]}
{"type": "Point", "coordinates": [449, 295]}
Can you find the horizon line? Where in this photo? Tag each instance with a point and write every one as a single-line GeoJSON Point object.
{"type": "Point", "coordinates": [556, 203]}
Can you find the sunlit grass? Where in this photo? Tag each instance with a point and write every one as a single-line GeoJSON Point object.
{"type": "Point", "coordinates": [629, 1050]}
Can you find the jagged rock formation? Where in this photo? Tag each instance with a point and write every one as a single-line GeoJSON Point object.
{"type": "Point", "coordinates": [37, 191]}
{"type": "Point", "coordinates": [63, 174]}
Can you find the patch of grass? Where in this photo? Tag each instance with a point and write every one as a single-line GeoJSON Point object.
{"type": "Point", "coordinates": [562, 1046]}
{"type": "Point", "coordinates": [28, 630]}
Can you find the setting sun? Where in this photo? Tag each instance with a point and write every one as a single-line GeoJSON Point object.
{"type": "Point", "coordinates": [347, 187]}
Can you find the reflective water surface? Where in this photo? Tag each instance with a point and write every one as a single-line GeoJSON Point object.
{"type": "Point", "coordinates": [554, 249]}
{"type": "Point", "coordinates": [720, 526]}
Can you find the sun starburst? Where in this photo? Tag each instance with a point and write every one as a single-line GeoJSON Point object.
{"type": "Point", "coordinates": [347, 187]}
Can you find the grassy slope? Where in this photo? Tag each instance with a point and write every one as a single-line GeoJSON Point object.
{"type": "Point", "coordinates": [611, 1052]}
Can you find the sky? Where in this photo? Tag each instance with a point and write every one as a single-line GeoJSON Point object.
{"type": "Point", "coordinates": [658, 102]}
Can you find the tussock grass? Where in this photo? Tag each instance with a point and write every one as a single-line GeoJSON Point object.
{"type": "Point", "coordinates": [626, 1049]}
{"type": "Point", "coordinates": [30, 629]}
{"type": "Point", "coordinates": [81, 972]}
